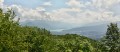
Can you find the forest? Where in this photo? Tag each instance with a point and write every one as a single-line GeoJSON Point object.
{"type": "Point", "coordinates": [17, 38]}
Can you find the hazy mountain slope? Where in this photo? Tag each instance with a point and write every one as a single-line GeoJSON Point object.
{"type": "Point", "coordinates": [89, 31]}
{"type": "Point", "coordinates": [94, 31]}
{"type": "Point", "coordinates": [49, 25]}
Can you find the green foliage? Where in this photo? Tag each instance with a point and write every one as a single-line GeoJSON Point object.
{"type": "Point", "coordinates": [112, 39]}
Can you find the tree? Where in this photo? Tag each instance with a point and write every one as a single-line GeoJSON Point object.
{"type": "Point", "coordinates": [112, 38]}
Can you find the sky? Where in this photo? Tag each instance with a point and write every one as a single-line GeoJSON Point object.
{"type": "Point", "coordinates": [77, 12]}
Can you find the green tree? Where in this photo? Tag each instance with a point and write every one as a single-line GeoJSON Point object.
{"type": "Point", "coordinates": [112, 38]}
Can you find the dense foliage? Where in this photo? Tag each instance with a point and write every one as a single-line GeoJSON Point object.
{"type": "Point", "coordinates": [112, 39]}
{"type": "Point", "coordinates": [17, 38]}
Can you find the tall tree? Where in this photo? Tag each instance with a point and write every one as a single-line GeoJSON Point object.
{"type": "Point", "coordinates": [112, 38]}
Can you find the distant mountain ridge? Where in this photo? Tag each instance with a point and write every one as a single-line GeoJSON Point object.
{"type": "Point", "coordinates": [94, 31]}
{"type": "Point", "coordinates": [49, 25]}
{"type": "Point", "coordinates": [91, 31]}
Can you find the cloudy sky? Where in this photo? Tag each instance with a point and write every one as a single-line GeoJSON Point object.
{"type": "Point", "coordinates": [77, 12]}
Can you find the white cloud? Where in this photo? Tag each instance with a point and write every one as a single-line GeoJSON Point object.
{"type": "Point", "coordinates": [30, 14]}
{"type": "Point", "coordinates": [1, 3]}
{"type": "Point", "coordinates": [40, 9]}
{"type": "Point", "coordinates": [27, 13]}
{"type": "Point", "coordinates": [104, 3]}
{"type": "Point", "coordinates": [81, 17]}
{"type": "Point", "coordinates": [74, 3]}
{"type": "Point", "coordinates": [75, 14]}
{"type": "Point", "coordinates": [101, 13]}
{"type": "Point", "coordinates": [47, 4]}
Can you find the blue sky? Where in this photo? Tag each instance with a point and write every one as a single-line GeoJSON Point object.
{"type": "Point", "coordinates": [77, 12]}
{"type": "Point", "coordinates": [36, 3]}
{"type": "Point", "coordinates": [24, 3]}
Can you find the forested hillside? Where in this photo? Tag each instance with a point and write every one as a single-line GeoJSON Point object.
{"type": "Point", "coordinates": [17, 38]}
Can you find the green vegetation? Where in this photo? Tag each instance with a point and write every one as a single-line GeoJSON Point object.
{"type": "Point", "coordinates": [17, 38]}
{"type": "Point", "coordinates": [112, 39]}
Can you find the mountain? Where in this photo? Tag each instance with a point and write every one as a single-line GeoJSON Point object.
{"type": "Point", "coordinates": [93, 31]}
{"type": "Point", "coordinates": [48, 24]}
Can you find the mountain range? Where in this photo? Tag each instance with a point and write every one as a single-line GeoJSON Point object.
{"type": "Point", "coordinates": [48, 24]}
{"type": "Point", "coordinates": [92, 31]}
